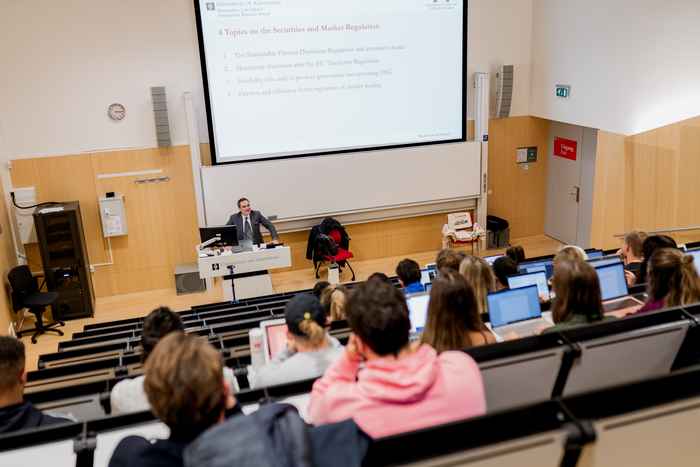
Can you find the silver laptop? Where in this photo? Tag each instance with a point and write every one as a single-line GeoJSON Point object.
{"type": "Point", "coordinates": [613, 287]}
{"type": "Point", "coordinates": [695, 253]}
{"type": "Point", "coordinates": [516, 310]}
{"type": "Point", "coordinates": [538, 278]}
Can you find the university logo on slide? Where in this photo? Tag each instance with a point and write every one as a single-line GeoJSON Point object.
{"type": "Point", "coordinates": [565, 148]}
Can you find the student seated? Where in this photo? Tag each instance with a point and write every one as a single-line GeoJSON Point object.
{"type": "Point", "coordinates": [309, 351]}
{"type": "Point", "coordinates": [333, 301]}
{"type": "Point", "coordinates": [448, 258]}
{"type": "Point", "coordinates": [379, 276]}
{"type": "Point", "coordinates": [572, 252]}
{"type": "Point", "coordinates": [632, 256]}
{"type": "Point", "coordinates": [516, 253]}
{"type": "Point", "coordinates": [409, 275]}
{"type": "Point", "coordinates": [577, 294]}
{"type": "Point", "coordinates": [649, 246]}
{"type": "Point", "coordinates": [454, 322]}
{"type": "Point", "coordinates": [386, 385]}
{"type": "Point", "coordinates": [502, 268]}
{"type": "Point", "coordinates": [128, 394]}
{"type": "Point", "coordinates": [187, 392]}
{"type": "Point", "coordinates": [15, 413]}
{"type": "Point", "coordinates": [480, 276]}
{"type": "Point", "coordinates": [319, 287]}
{"type": "Point", "coordinates": [673, 280]}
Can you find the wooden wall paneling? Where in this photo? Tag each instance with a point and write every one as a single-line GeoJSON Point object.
{"type": "Point", "coordinates": [64, 178]}
{"type": "Point", "coordinates": [688, 185]}
{"type": "Point", "coordinates": [609, 191]}
{"type": "Point", "coordinates": [161, 217]}
{"type": "Point", "coordinates": [8, 260]}
{"type": "Point", "coordinates": [516, 194]}
{"type": "Point", "coordinates": [643, 151]}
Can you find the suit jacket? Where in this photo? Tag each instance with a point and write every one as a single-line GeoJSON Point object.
{"type": "Point", "coordinates": [256, 219]}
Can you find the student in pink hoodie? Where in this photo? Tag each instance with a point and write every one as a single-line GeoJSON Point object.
{"type": "Point", "coordinates": [387, 385]}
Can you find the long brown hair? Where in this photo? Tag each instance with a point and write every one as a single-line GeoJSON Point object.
{"type": "Point", "coordinates": [452, 313]}
{"type": "Point", "coordinates": [577, 291]}
{"type": "Point", "coordinates": [480, 276]}
{"type": "Point", "coordinates": [673, 278]}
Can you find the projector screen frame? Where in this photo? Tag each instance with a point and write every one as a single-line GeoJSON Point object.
{"type": "Point", "coordinates": [210, 122]}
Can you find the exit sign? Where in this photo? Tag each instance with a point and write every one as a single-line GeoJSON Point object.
{"type": "Point", "coordinates": [563, 91]}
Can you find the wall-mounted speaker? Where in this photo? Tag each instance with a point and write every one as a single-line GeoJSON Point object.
{"type": "Point", "coordinates": [160, 113]}
{"type": "Point", "coordinates": [504, 91]}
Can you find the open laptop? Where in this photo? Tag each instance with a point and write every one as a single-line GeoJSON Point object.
{"type": "Point", "coordinates": [516, 310]}
{"type": "Point", "coordinates": [538, 278]}
{"type": "Point", "coordinates": [417, 312]}
{"type": "Point", "coordinates": [427, 276]}
{"type": "Point", "coordinates": [274, 333]}
{"type": "Point", "coordinates": [695, 253]}
{"type": "Point", "coordinates": [545, 266]}
{"type": "Point", "coordinates": [613, 288]}
{"type": "Point", "coordinates": [604, 260]}
{"type": "Point", "coordinates": [492, 259]}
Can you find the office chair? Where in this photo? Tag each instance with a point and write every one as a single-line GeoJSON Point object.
{"type": "Point", "coordinates": [25, 294]}
{"type": "Point", "coordinates": [330, 243]}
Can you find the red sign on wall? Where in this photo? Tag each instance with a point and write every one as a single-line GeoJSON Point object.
{"type": "Point", "coordinates": [565, 148]}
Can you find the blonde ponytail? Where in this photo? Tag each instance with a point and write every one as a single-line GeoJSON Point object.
{"type": "Point", "coordinates": [315, 334]}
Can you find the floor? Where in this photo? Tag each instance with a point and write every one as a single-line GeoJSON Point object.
{"type": "Point", "coordinates": [139, 304]}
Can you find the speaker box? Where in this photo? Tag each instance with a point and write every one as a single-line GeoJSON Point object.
{"type": "Point", "coordinates": [187, 279]}
{"type": "Point", "coordinates": [160, 113]}
{"type": "Point", "coordinates": [504, 91]}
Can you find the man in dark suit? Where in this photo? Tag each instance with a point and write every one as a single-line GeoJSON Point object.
{"type": "Point", "coordinates": [248, 223]}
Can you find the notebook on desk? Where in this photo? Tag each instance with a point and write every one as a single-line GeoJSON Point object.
{"type": "Point", "coordinates": [613, 288]}
{"type": "Point", "coordinates": [516, 310]}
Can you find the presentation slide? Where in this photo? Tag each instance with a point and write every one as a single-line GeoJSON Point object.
{"type": "Point", "coordinates": [299, 77]}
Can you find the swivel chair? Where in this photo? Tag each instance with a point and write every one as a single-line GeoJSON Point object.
{"type": "Point", "coordinates": [25, 294]}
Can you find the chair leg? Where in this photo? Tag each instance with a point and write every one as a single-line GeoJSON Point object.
{"type": "Point", "coordinates": [42, 328]}
{"type": "Point", "coordinates": [347, 263]}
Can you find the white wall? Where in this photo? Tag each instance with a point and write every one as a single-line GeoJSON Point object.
{"type": "Point", "coordinates": [500, 33]}
{"type": "Point", "coordinates": [633, 64]}
{"type": "Point", "coordinates": [63, 62]}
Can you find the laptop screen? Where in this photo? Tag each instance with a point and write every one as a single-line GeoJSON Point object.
{"type": "Point", "coordinates": [492, 259]}
{"type": "Point", "coordinates": [594, 254]}
{"type": "Point", "coordinates": [427, 276]}
{"type": "Point", "coordinates": [604, 261]}
{"type": "Point", "coordinates": [696, 258]}
{"type": "Point", "coordinates": [537, 266]}
{"type": "Point", "coordinates": [511, 306]}
{"type": "Point", "coordinates": [276, 338]}
{"type": "Point", "coordinates": [418, 311]}
{"type": "Point", "coordinates": [612, 281]}
{"type": "Point", "coordinates": [535, 278]}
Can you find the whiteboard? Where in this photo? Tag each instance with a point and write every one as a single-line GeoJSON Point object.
{"type": "Point", "coordinates": [320, 186]}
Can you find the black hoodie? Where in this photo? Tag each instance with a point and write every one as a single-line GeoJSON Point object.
{"type": "Point", "coordinates": [24, 415]}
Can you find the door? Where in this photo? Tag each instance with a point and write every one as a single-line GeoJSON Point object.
{"type": "Point", "coordinates": [564, 188]}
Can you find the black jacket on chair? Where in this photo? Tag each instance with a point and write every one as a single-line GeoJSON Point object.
{"type": "Point", "coordinates": [325, 227]}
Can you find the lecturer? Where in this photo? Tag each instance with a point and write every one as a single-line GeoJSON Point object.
{"type": "Point", "coordinates": [248, 222]}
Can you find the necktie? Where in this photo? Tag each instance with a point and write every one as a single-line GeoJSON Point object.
{"type": "Point", "coordinates": [247, 229]}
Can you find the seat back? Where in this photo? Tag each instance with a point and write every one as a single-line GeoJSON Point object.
{"type": "Point", "coordinates": [664, 435]}
{"type": "Point", "coordinates": [22, 284]}
{"type": "Point", "coordinates": [626, 357]}
{"type": "Point", "coordinates": [533, 374]}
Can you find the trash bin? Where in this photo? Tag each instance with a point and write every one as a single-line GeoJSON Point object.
{"type": "Point", "coordinates": [498, 232]}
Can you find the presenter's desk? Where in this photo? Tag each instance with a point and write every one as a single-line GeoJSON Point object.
{"type": "Point", "coordinates": [250, 269]}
